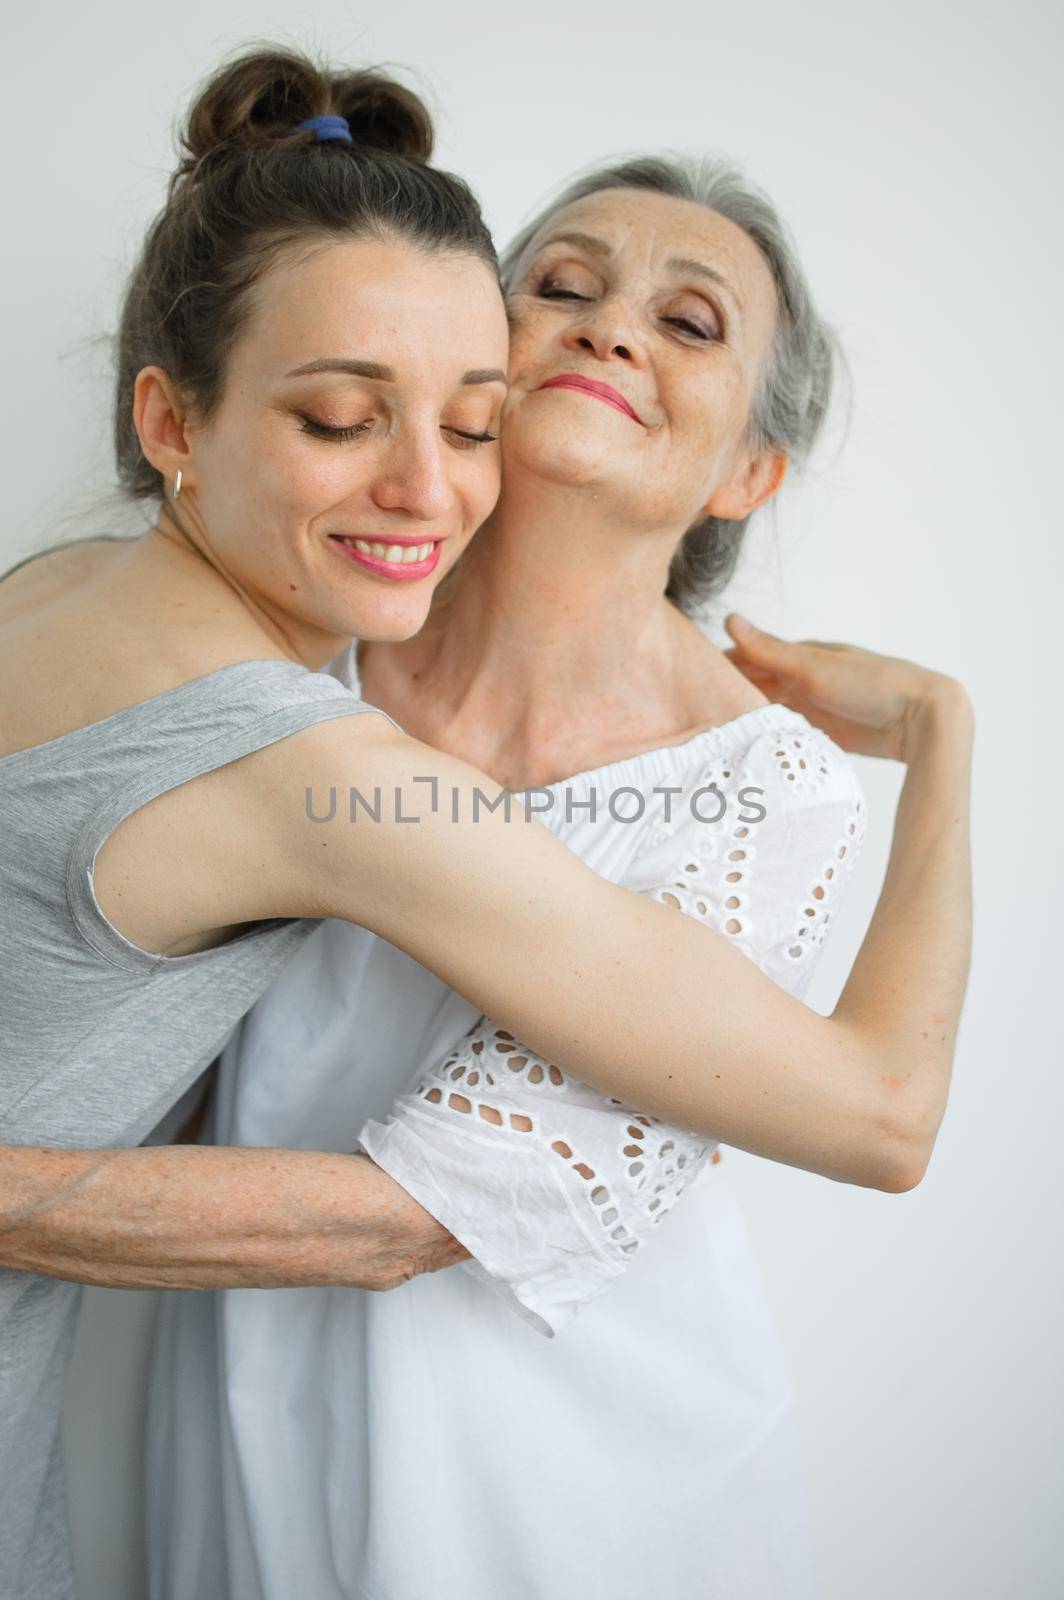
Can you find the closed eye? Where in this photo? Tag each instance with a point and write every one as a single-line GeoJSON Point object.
{"type": "Point", "coordinates": [690, 327]}
{"type": "Point", "coordinates": [322, 430]}
{"type": "Point", "coordinates": [470, 439]}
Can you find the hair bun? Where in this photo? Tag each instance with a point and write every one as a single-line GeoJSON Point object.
{"type": "Point", "coordinates": [383, 115]}
{"type": "Point", "coordinates": [265, 93]}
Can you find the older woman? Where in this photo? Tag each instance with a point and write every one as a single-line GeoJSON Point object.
{"type": "Point", "coordinates": [665, 356]}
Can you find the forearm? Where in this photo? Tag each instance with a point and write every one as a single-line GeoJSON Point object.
{"type": "Point", "coordinates": [907, 986]}
{"type": "Point", "coordinates": [205, 1218]}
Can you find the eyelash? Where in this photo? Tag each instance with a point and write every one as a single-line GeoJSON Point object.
{"type": "Point", "coordinates": [683, 322]}
{"type": "Point", "coordinates": [469, 439]}
{"type": "Point", "coordinates": [321, 430]}
{"type": "Point", "coordinates": [545, 292]}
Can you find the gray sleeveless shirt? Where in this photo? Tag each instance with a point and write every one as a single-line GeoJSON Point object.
{"type": "Point", "coordinates": [98, 1038]}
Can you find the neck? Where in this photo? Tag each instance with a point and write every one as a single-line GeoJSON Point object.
{"type": "Point", "coordinates": [556, 615]}
{"type": "Point", "coordinates": [207, 577]}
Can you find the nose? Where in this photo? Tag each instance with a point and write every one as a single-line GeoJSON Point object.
{"type": "Point", "coordinates": [608, 331]}
{"type": "Point", "coordinates": [413, 479]}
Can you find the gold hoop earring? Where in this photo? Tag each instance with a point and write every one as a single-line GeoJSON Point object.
{"type": "Point", "coordinates": [177, 483]}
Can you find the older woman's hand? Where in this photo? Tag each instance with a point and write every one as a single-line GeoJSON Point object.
{"type": "Point", "coordinates": [865, 702]}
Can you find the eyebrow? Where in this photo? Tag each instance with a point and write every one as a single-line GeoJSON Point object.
{"type": "Point", "coordinates": [701, 269]}
{"type": "Point", "coordinates": [583, 241]}
{"type": "Point", "coordinates": [381, 374]}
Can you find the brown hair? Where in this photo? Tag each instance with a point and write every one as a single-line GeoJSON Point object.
{"type": "Point", "coordinates": [249, 183]}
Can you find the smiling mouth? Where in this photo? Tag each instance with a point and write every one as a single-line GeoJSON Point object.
{"type": "Point", "coordinates": [599, 391]}
{"type": "Point", "coordinates": [404, 559]}
{"type": "Point", "coordinates": [403, 554]}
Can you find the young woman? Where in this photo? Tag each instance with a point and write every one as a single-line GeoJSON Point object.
{"type": "Point", "coordinates": [337, 1443]}
{"type": "Point", "coordinates": [311, 364]}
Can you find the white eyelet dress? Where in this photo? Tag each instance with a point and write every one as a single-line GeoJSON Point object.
{"type": "Point", "coordinates": [431, 1443]}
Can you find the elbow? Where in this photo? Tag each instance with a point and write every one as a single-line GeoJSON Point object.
{"type": "Point", "coordinates": [903, 1154]}
{"type": "Point", "coordinates": [898, 1177]}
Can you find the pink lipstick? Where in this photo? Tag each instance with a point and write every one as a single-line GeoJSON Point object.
{"type": "Point", "coordinates": [601, 391]}
{"type": "Point", "coordinates": [374, 556]}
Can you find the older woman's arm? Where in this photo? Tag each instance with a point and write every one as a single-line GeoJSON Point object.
{"type": "Point", "coordinates": [196, 1217]}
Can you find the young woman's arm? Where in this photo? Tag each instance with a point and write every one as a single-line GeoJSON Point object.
{"type": "Point", "coordinates": [645, 1005]}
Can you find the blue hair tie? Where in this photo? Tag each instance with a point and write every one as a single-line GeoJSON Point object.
{"type": "Point", "coordinates": [328, 128]}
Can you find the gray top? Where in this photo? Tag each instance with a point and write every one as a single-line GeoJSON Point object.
{"type": "Point", "coordinates": [100, 1037]}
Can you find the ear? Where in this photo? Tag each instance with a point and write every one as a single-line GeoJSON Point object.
{"type": "Point", "coordinates": [752, 485]}
{"type": "Point", "coordinates": [160, 421]}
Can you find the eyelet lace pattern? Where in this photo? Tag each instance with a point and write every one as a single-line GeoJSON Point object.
{"type": "Point", "coordinates": [650, 1162]}
{"type": "Point", "coordinates": [716, 881]}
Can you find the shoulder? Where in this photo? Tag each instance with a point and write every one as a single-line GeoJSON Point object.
{"type": "Point", "coordinates": [803, 765]}
{"type": "Point", "coordinates": [306, 729]}
{"type": "Point", "coordinates": [763, 841]}
{"type": "Point", "coordinates": [256, 767]}
{"type": "Point", "coordinates": [37, 578]}
{"type": "Point", "coordinates": [331, 745]}
{"type": "Point", "coordinates": [776, 749]}
{"type": "Point", "coordinates": [767, 786]}
{"type": "Point", "coordinates": [800, 761]}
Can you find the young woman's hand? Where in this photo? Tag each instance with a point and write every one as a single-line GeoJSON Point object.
{"type": "Point", "coordinates": [867, 703]}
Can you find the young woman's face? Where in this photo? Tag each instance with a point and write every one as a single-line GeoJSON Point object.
{"type": "Point", "coordinates": [640, 325]}
{"type": "Point", "coordinates": [353, 453]}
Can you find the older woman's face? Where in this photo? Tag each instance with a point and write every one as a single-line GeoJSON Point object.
{"type": "Point", "coordinates": [639, 327]}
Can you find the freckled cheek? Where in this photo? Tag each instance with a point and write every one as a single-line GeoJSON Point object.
{"type": "Point", "coordinates": [736, 396]}
{"type": "Point", "coordinates": [529, 338]}
{"type": "Point", "coordinates": [707, 421]}
{"type": "Point", "coordinates": [307, 481]}
{"type": "Point", "coordinates": [250, 462]}
{"type": "Point", "coordinates": [479, 493]}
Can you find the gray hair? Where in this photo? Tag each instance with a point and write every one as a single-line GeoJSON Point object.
{"type": "Point", "coordinates": [793, 392]}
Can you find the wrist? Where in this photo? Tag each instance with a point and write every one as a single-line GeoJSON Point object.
{"type": "Point", "coordinates": [941, 711]}
{"type": "Point", "coordinates": [405, 1238]}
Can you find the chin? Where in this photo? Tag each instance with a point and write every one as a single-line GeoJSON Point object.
{"type": "Point", "coordinates": [581, 460]}
{"type": "Point", "coordinates": [390, 617]}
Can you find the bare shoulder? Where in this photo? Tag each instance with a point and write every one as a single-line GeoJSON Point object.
{"type": "Point", "coordinates": [237, 845]}
{"type": "Point", "coordinates": [278, 788]}
{"type": "Point", "coordinates": [339, 749]}
{"type": "Point", "coordinates": [717, 690]}
{"type": "Point", "coordinates": [39, 578]}
{"type": "Point", "coordinates": [352, 808]}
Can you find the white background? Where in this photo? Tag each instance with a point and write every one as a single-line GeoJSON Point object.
{"type": "Point", "coordinates": [915, 151]}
